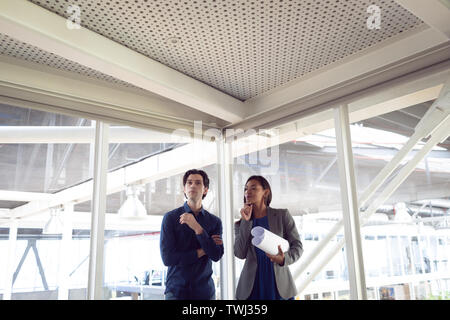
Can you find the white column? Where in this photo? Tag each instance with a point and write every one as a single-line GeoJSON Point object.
{"type": "Point", "coordinates": [92, 152]}
{"type": "Point", "coordinates": [442, 287]}
{"type": "Point", "coordinates": [412, 291]}
{"type": "Point", "coordinates": [225, 186]}
{"type": "Point", "coordinates": [419, 246]}
{"type": "Point", "coordinates": [390, 256]}
{"type": "Point", "coordinates": [95, 281]}
{"type": "Point", "coordinates": [8, 276]}
{"type": "Point", "coordinates": [350, 210]}
{"type": "Point", "coordinates": [65, 254]}
{"type": "Point", "coordinates": [402, 261]}
{"type": "Point", "coordinates": [411, 254]}
{"type": "Point", "coordinates": [377, 292]}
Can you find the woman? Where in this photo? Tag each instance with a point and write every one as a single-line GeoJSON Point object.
{"type": "Point", "coordinates": [265, 276]}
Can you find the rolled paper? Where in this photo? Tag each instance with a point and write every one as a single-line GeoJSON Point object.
{"type": "Point", "coordinates": [268, 241]}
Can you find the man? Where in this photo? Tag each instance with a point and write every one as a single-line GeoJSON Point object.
{"type": "Point", "coordinates": [190, 239]}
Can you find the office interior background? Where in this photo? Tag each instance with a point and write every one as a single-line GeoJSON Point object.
{"type": "Point", "coordinates": [344, 106]}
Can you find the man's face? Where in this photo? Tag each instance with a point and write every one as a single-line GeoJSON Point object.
{"type": "Point", "coordinates": [194, 188]}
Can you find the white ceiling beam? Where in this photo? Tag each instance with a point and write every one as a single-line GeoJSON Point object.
{"type": "Point", "coordinates": [326, 82]}
{"type": "Point", "coordinates": [82, 221]}
{"type": "Point", "coordinates": [30, 23]}
{"type": "Point", "coordinates": [412, 89]}
{"type": "Point", "coordinates": [359, 110]}
{"type": "Point", "coordinates": [4, 214]}
{"type": "Point", "coordinates": [24, 80]}
{"type": "Point", "coordinates": [72, 134]}
{"type": "Point", "coordinates": [434, 13]}
{"type": "Point", "coordinates": [167, 164]}
{"type": "Point", "coordinates": [199, 154]}
{"type": "Point", "coordinates": [8, 195]}
{"type": "Point", "coordinates": [401, 95]}
{"type": "Point", "coordinates": [118, 134]}
{"type": "Point", "coordinates": [359, 100]}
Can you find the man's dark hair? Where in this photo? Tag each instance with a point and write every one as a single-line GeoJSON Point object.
{"type": "Point", "coordinates": [264, 184]}
{"type": "Point", "coordinates": [200, 172]}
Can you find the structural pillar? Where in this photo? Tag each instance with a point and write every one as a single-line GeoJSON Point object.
{"type": "Point", "coordinates": [64, 256]}
{"type": "Point", "coordinates": [95, 280]}
{"type": "Point", "coordinates": [350, 209]}
{"type": "Point", "coordinates": [225, 186]}
{"type": "Point", "coordinates": [9, 274]}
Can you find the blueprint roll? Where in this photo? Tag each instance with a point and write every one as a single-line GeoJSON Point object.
{"type": "Point", "coordinates": [268, 241]}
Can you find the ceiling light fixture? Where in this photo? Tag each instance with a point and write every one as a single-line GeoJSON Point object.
{"type": "Point", "coordinates": [132, 208]}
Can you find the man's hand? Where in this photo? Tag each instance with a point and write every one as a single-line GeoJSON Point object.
{"type": "Point", "coordinates": [200, 253]}
{"type": "Point", "coordinates": [217, 239]}
{"type": "Point", "coordinates": [189, 219]}
{"type": "Point", "coordinates": [278, 258]}
{"type": "Point", "coordinates": [246, 212]}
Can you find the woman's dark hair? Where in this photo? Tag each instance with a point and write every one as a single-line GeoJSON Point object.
{"type": "Point", "coordinates": [200, 172]}
{"type": "Point", "coordinates": [264, 184]}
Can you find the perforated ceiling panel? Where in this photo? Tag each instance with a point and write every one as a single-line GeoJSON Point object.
{"type": "Point", "coordinates": [243, 48]}
{"type": "Point", "coordinates": [18, 49]}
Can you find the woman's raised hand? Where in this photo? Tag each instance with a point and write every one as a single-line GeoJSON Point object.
{"type": "Point", "coordinates": [246, 211]}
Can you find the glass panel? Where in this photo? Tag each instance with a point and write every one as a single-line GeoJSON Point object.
{"type": "Point", "coordinates": [371, 294]}
{"type": "Point", "coordinates": [407, 255]}
{"type": "Point", "coordinates": [371, 262]}
{"type": "Point", "coordinates": [48, 259]}
{"type": "Point", "coordinates": [417, 257]}
{"type": "Point", "coordinates": [394, 244]}
{"type": "Point", "coordinates": [149, 176]}
{"type": "Point", "coordinates": [304, 178]}
{"type": "Point", "coordinates": [403, 255]}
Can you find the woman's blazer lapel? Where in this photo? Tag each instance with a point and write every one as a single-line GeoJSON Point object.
{"type": "Point", "coordinates": [273, 219]}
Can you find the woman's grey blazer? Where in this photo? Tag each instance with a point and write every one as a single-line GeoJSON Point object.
{"type": "Point", "coordinates": [282, 224]}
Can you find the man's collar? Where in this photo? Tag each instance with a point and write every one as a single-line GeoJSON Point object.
{"type": "Point", "coordinates": [189, 210]}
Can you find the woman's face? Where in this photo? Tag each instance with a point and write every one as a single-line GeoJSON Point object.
{"type": "Point", "coordinates": [254, 192]}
